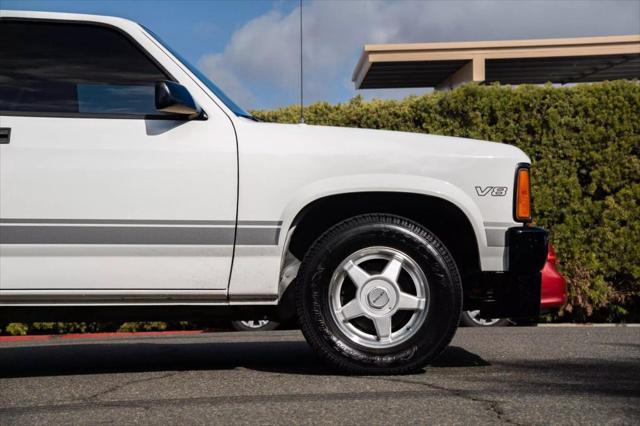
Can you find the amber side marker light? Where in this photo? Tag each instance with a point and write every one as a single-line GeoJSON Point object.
{"type": "Point", "coordinates": [523, 196]}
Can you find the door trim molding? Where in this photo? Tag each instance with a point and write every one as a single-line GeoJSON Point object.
{"type": "Point", "coordinates": [139, 232]}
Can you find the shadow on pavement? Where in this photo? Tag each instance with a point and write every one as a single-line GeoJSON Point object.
{"type": "Point", "coordinates": [561, 376]}
{"type": "Point", "coordinates": [116, 357]}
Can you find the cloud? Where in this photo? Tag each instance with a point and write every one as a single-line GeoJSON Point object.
{"type": "Point", "coordinates": [206, 29]}
{"type": "Point", "coordinates": [262, 56]}
{"type": "Point", "coordinates": [217, 69]}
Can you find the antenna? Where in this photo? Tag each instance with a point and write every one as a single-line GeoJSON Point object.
{"type": "Point", "coordinates": [301, 78]}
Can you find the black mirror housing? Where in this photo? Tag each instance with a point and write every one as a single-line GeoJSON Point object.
{"type": "Point", "coordinates": [174, 98]}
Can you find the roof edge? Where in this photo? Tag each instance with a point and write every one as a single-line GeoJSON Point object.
{"type": "Point", "coordinates": [496, 44]}
{"type": "Point", "coordinates": [63, 16]}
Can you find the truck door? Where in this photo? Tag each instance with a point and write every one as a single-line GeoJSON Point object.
{"type": "Point", "coordinates": [102, 197]}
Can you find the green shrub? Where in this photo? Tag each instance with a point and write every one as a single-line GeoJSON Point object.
{"type": "Point", "coordinates": [584, 142]}
{"type": "Point", "coordinates": [71, 327]}
{"type": "Point", "coordinates": [143, 326]}
{"type": "Point", "coordinates": [16, 329]}
{"type": "Point", "coordinates": [21, 329]}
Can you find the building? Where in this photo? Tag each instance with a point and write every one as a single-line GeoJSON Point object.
{"type": "Point", "coordinates": [447, 65]}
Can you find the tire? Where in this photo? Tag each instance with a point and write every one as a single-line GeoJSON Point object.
{"type": "Point", "coordinates": [330, 278]}
{"type": "Point", "coordinates": [471, 319]}
{"type": "Point", "coordinates": [254, 325]}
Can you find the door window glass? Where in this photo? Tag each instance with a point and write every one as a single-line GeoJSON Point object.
{"type": "Point", "coordinates": [57, 67]}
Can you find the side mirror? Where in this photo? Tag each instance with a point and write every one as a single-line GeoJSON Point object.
{"type": "Point", "coordinates": [176, 99]}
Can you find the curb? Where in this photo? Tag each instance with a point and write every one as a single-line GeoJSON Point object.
{"type": "Point", "coordinates": [79, 336]}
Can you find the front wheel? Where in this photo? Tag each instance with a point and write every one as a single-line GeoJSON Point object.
{"type": "Point", "coordinates": [378, 294]}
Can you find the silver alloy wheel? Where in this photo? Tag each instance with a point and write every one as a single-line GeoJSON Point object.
{"type": "Point", "coordinates": [379, 296]}
{"type": "Point", "coordinates": [255, 323]}
{"type": "Point", "coordinates": [475, 317]}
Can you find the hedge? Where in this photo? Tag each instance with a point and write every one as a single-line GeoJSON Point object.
{"type": "Point", "coordinates": [22, 329]}
{"type": "Point", "coordinates": [584, 142]}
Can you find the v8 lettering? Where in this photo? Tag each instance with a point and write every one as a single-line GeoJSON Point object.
{"type": "Point", "coordinates": [494, 191]}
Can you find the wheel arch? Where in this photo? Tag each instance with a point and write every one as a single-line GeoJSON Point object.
{"type": "Point", "coordinates": [448, 220]}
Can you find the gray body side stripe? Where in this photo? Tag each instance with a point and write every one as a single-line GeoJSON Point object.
{"type": "Point", "coordinates": [499, 224]}
{"type": "Point", "coordinates": [258, 236]}
{"type": "Point", "coordinates": [496, 233]}
{"type": "Point", "coordinates": [496, 237]}
{"type": "Point", "coordinates": [144, 235]}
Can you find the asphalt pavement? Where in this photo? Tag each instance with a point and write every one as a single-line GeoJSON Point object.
{"type": "Point", "coordinates": [514, 375]}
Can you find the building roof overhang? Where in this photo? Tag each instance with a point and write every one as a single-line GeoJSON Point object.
{"type": "Point", "coordinates": [446, 65]}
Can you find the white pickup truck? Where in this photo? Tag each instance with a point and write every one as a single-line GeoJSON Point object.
{"type": "Point", "coordinates": [132, 188]}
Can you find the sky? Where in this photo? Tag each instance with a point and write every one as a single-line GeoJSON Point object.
{"type": "Point", "coordinates": [250, 48]}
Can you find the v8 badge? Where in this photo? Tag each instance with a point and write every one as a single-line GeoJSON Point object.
{"type": "Point", "coordinates": [494, 191]}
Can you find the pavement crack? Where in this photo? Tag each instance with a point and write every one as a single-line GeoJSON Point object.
{"type": "Point", "coordinates": [493, 406]}
{"type": "Point", "coordinates": [96, 396]}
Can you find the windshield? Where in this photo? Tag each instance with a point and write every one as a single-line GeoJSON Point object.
{"type": "Point", "coordinates": [235, 108]}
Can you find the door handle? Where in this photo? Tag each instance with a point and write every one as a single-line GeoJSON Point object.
{"type": "Point", "coordinates": [5, 134]}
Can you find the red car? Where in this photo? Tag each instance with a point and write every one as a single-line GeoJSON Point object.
{"type": "Point", "coordinates": [553, 295]}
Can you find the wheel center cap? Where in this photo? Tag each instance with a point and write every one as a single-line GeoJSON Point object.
{"type": "Point", "coordinates": [378, 298]}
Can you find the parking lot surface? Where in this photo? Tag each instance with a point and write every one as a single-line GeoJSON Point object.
{"type": "Point", "coordinates": [514, 375]}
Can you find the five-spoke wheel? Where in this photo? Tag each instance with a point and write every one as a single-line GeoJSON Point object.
{"type": "Point", "coordinates": [394, 299]}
